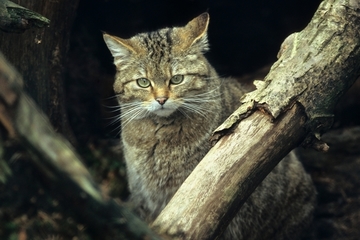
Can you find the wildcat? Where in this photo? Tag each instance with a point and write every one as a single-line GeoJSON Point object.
{"type": "Point", "coordinates": [171, 100]}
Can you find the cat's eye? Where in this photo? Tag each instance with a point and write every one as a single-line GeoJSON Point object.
{"type": "Point", "coordinates": [143, 82]}
{"type": "Point", "coordinates": [177, 79]}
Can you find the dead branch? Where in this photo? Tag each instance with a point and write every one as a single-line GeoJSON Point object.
{"type": "Point", "coordinates": [294, 102]}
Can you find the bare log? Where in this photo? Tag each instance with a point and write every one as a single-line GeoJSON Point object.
{"type": "Point", "coordinates": [294, 103]}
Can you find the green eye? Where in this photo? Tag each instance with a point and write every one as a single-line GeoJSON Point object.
{"type": "Point", "coordinates": [177, 79]}
{"type": "Point", "coordinates": [143, 82]}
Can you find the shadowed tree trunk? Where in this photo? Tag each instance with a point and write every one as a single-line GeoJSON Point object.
{"type": "Point", "coordinates": [39, 54]}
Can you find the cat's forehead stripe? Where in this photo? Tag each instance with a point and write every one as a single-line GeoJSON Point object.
{"type": "Point", "coordinates": [158, 44]}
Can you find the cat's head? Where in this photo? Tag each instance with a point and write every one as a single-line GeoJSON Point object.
{"type": "Point", "coordinates": [163, 71]}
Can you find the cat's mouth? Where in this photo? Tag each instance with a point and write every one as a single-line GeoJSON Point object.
{"type": "Point", "coordinates": [162, 110]}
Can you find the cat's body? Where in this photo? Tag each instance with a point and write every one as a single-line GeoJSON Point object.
{"type": "Point", "coordinates": [171, 101]}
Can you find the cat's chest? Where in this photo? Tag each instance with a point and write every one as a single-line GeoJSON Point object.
{"type": "Point", "coordinates": [158, 147]}
{"type": "Point", "coordinates": [160, 157]}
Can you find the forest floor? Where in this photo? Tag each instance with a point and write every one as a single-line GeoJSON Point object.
{"type": "Point", "coordinates": [336, 175]}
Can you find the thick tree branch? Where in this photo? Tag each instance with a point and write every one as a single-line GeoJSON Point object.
{"type": "Point", "coordinates": [296, 99]}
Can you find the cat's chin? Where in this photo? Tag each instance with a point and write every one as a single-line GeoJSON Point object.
{"type": "Point", "coordinates": [164, 112]}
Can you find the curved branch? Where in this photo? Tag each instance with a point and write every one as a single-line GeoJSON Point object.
{"type": "Point", "coordinates": [315, 67]}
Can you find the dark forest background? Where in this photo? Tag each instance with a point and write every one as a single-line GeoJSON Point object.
{"type": "Point", "coordinates": [244, 36]}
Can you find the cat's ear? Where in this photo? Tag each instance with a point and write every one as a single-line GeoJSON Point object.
{"type": "Point", "coordinates": [194, 34]}
{"type": "Point", "coordinates": [119, 48]}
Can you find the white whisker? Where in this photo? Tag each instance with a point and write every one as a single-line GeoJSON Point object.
{"type": "Point", "coordinates": [114, 120]}
{"type": "Point", "coordinates": [111, 97]}
{"type": "Point", "coordinates": [199, 103]}
{"type": "Point", "coordinates": [184, 113]}
{"type": "Point", "coordinates": [128, 112]}
{"type": "Point", "coordinates": [131, 111]}
{"type": "Point", "coordinates": [113, 111]}
{"type": "Point", "coordinates": [111, 107]}
{"type": "Point", "coordinates": [194, 108]}
{"type": "Point", "coordinates": [139, 112]}
{"type": "Point", "coordinates": [116, 129]}
{"type": "Point", "coordinates": [124, 114]}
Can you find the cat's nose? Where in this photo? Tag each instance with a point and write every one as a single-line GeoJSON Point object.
{"type": "Point", "coordinates": [161, 100]}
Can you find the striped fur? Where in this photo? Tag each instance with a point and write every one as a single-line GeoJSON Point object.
{"type": "Point", "coordinates": [166, 126]}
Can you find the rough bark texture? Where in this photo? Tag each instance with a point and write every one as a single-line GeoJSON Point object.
{"type": "Point", "coordinates": [40, 54]}
{"type": "Point", "coordinates": [315, 67]}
